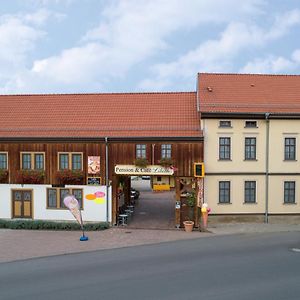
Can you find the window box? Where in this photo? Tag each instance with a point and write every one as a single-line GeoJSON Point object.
{"type": "Point", "coordinates": [30, 177]}
{"type": "Point", "coordinates": [166, 162]}
{"type": "Point", "coordinates": [3, 176]}
{"type": "Point", "coordinates": [70, 177]}
{"type": "Point", "coordinates": [141, 162]}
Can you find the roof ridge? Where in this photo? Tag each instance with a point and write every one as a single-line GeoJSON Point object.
{"type": "Point", "coordinates": [248, 74]}
{"type": "Point", "coordinates": [90, 94]}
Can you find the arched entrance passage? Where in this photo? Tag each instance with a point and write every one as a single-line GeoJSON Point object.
{"type": "Point", "coordinates": [153, 210]}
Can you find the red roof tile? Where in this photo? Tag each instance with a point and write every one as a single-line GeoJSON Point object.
{"type": "Point", "coordinates": [100, 115]}
{"type": "Point", "coordinates": [253, 93]}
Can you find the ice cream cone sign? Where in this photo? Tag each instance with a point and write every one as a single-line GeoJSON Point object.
{"type": "Point", "coordinates": [72, 204]}
{"type": "Point", "coordinates": [204, 214]}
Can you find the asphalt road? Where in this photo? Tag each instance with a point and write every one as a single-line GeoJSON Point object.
{"type": "Point", "coordinates": [249, 266]}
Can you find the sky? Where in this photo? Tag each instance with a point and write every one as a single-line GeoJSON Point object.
{"type": "Point", "coordinates": [95, 46]}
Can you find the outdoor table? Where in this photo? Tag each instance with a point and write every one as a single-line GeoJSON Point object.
{"type": "Point", "coordinates": [123, 219]}
{"type": "Point", "coordinates": [131, 208]}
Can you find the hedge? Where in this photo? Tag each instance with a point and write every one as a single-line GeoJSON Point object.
{"type": "Point", "coordinates": [51, 225]}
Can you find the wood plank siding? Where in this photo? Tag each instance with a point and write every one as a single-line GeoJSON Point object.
{"type": "Point", "coordinates": [183, 155]}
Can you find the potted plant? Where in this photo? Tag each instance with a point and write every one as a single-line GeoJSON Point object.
{"type": "Point", "coordinates": [166, 162]}
{"type": "Point", "coordinates": [190, 202]}
{"type": "Point", "coordinates": [31, 176]}
{"type": "Point", "coordinates": [70, 176]}
{"type": "Point", "coordinates": [3, 176]}
{"type": "Point", "coordinates": [141, 162]}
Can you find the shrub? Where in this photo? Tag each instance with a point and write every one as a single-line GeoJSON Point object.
{"type": "Point", "coordinates": [52, 225]}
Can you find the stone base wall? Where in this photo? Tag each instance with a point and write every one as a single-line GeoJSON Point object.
{"type": "Point", "coordinates": [275, 219]}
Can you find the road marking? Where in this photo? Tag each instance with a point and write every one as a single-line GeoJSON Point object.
{"type": "Point", "coordinates": [295, 249]}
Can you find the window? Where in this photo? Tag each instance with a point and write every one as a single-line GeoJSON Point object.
{"type": "Point", "coordinates": [76, 162]}
{"type": "Point", "coordinates": [70, 160]}
{"type": "Point", "coordinates": [32, 161]}
{"type": "Point", "coordinates": [225, 124]}
{"type": "Point", "coordinates": [250, 124]}
{"type": "Point", "coordinates": [140, 151]}
{"type": "Point", "coordinates": [224, 192]}
{"type": "Point", "coordinates": [63, 161]}
{"type": "Point", "coordinates": [290, 148]}
{"type": "Point", "coordinates": [250, 148]}
{"type": "Point", "coordinates": [289, 192]}
{"type": "Point", "coordinates": [51, 198]}
{"type": "Point", "coordinates": [3, 161]}
{"type": "Point", "coordinates": [158, 178]}
{"type": "Point", "coordinates": [250, 191]}
{"type": "Point", "coordinates": [55, 197]}
{"type": "Point", "coordinates": [26, 161]}
{"type": "Point", "coordinates": [38, 161]}
{"type": "Point", "coordinates": [62, 194]}
{"type": "Point", "coordinates": [224, 148]}
{"type": "Point", "coordinates": [166, 151]}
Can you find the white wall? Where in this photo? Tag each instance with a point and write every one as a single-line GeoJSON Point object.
{"type": "Point", "coordinates": [91, 210]}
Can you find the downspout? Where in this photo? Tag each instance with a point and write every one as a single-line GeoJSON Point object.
{"type": "Point", "coordinates": [106, 178]}
{"type": "Point", "coordinates": [267, 115]}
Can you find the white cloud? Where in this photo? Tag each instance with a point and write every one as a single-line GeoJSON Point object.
{"type": "Point", "coordinates": [131, 32]}
{"type": "Point", "coordinates": [273, 64]}
{"type": "Point", "coordinates": [41, 16]}
{"type": "Point", "coordinates": [218, 55]}
{"type": "Point", "coordinates": [296, 56]}
{"type": "Point", "coordinates": [16, 39]}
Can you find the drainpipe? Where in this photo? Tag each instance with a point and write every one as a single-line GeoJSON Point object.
{"type": "Point", "coordinates": [153, 159]}
{"type": "Point", "coordinates": [267, 115]}
{"type": "Point", "coordinates": [106, 178]}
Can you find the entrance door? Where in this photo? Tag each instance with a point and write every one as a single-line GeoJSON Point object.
{"type": "Point", "coordinates": [22, 203]}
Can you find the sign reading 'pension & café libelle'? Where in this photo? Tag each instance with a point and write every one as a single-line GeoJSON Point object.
{"type": "Point", "coordinates": [149, 170]}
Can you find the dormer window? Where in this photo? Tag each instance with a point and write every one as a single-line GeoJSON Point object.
{"type": "Point", "coordinates": [225, 124]}
{"type": "Point", "coordinates": [251, 124]}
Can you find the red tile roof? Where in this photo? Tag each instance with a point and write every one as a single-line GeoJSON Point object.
{"type": "Point", "coordinates": [253, 93]}
{"type": "Point", "coordinates": [100, 115]}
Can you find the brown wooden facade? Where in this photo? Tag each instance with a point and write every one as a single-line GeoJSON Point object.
{"type": "Point", "coordinates": [118, 151]}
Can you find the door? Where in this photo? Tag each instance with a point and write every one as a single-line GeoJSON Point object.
{"type": "Point", "coordinates": [22, 203]}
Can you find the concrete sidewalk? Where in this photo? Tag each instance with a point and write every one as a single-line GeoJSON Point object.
{"type": "Point", "coordinates": [24, 244]}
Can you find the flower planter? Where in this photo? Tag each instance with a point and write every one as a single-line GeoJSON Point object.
{"type": "Point", "coordinates": [166, 162]}
{"type": "Point", "coordinates": [31, 177]}
{"type": "Point", "coordinates": [3, 176]}
{"type": "Point", "coordinates": [70, 177]}
{"type": "Point", "coordinates": [141, 162]}
{"type": "Point", "coordinates": [188, 226]}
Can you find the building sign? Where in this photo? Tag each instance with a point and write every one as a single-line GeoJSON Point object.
{"type": "Point", "coordinates": [149, 170]}
{"type": "Point", "coordinates": [94, 181]}
{"type": "Point", "coordinates": [94, 165]}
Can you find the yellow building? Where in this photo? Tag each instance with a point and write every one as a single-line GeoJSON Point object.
{"type": "Point", "coordinates": [251, 128]}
